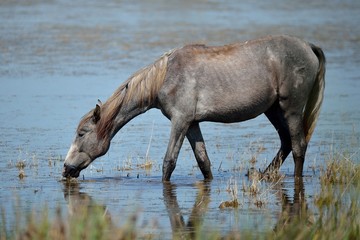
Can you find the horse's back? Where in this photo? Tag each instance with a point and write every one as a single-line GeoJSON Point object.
{"type": "Point", "coordinates": [234, 82]}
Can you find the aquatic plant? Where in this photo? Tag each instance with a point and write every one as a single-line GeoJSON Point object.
{"type": "Point", "coordinates": [338, 205]}
{"type": "Point", "coordinates": [340, 169]}
{"type": "Point", "coordinates": [232, 189]}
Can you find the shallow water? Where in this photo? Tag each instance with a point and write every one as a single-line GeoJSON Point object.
{"type": "Point", "coordinates": [57, 58]}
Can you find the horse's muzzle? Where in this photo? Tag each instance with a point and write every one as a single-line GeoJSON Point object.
{"type": "Point", "coordinates": [70, 171]}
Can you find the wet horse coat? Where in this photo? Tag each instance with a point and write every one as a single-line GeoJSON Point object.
{"type": "Point", "coordinates": [280, 76]}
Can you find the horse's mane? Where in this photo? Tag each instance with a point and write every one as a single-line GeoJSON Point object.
{"type": "Point", "coordinates": [142, 85]}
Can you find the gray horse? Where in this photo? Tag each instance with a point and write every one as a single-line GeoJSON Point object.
{"type": "Point", "coordinates": [280, 76]}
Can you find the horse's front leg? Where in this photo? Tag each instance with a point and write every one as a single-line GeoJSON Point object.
{"type": "Point", "coordinates": [198, 145]}
{"type": "Point", "coordinates": [178, 132]}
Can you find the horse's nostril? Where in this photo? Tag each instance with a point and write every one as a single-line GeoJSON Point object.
{"type": "Point", "coordinates": [70, 171]}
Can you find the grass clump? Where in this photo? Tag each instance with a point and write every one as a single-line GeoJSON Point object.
{"type": "Point", "coordinates": [336, 220]}
{"type": "Point", "coordinates": [338, 205]}
{"type": "Point", "coordinates": [341, 169]}
{"type": "Point", "coordinates": [232, 189]}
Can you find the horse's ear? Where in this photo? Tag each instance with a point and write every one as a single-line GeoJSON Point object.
{"type": "Point", "coordinates": [96, 115]}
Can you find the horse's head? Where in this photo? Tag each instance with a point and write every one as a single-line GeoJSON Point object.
{"type": "Point", "coordinates": [87, 145]}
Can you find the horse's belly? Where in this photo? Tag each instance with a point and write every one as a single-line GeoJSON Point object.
{"type": "Point", "coordinates": [230, 115]}
{"type": "Point", "coordinates": [234, 108]}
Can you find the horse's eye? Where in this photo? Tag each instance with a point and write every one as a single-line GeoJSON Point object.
{"type": "Point", "coordinates": [81, 134]}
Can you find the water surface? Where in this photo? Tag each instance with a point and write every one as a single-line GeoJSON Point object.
{"type": "Point", "coordinates": [58, 57]}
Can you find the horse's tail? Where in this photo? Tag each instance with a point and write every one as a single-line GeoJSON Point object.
{"type": "Point", "coordinates": [312, 108]}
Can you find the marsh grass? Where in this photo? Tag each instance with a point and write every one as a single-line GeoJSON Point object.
{"type": "Point", "coordinates": [145, 162]}
{"type": "Point", "coordinates": [340, 169]}
{"type": "Point", "coordinates": [337, 219]}
{"type": "Point", "coordinates": [232, 189]}
{"type": "Point", "coordinates": [53, 160]}
{"type": "Point", "coordinates": [28, 164]}
{"type": "Point", "coordinates": [87, 223]}
{"type": "Point", "coordinates": [129, 164]}
{"type": "Point", "coordinates": [337, 214]}
{"type": "Point", "coordinates": [338, 205]}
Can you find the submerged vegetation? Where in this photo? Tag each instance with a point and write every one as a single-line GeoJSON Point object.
{"type": "Point", "coordinates": [336, 214]}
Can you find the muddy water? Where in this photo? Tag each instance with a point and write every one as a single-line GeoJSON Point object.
{"type": "Point", "coordinates": [58, 57]}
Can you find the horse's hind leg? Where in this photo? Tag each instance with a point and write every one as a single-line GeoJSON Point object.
{"type": "Point", "coordinates": [276, 117]}
{"type": "Point", "coordinates": [198, 145]}
{"type": "Point", "coordinates": [298, 142]}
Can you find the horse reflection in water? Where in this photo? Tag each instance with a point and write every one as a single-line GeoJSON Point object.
{"type": "Point", "coordinates": [81, 203]}
{"type": "Point", "coordinates": [180, 229]}
{"type": "Point", "coordinates": [295, 209]}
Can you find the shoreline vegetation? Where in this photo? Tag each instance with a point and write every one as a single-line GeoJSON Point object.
{"type": "Point", "coordinates": [336, 216]}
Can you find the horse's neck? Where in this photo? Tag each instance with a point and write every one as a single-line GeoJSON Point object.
{"type": "Point", "coordinates": [140, 92]}
{"type": "Point", "coordinates": [128, 111]}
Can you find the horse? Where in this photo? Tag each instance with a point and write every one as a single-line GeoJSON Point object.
{"type": "Point", "coordinates": [280, 76]}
